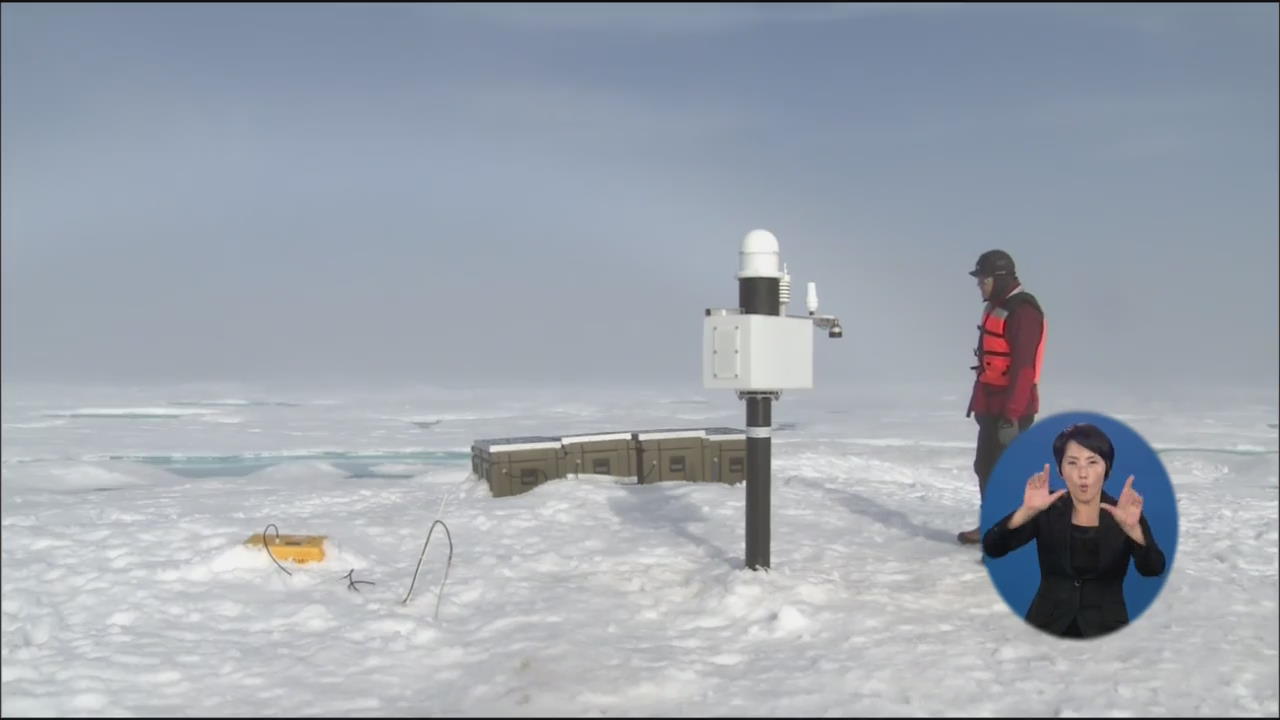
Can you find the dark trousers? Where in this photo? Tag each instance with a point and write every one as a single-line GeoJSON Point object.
{"type": "Point", "coordinates": [989, 447]}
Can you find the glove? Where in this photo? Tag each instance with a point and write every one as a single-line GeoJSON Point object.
{"type": "Point", "coordinates": [1006, 432]}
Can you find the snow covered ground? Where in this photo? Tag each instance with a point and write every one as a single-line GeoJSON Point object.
{"type": "Point", "coordinates": [127, 590]}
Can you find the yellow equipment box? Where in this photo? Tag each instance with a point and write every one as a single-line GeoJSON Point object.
{"type": "Point", "coordinates": [298, 548]}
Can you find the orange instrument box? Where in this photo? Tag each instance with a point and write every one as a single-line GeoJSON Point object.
{"type": "Point", "coordinates": [298, 548]}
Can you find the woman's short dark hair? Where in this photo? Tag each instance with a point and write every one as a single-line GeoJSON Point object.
{"type": "Point", "coordinates": [1090, 438]}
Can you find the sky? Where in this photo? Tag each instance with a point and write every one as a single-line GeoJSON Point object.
{"type": "Point", "coordinates": [461, 193]}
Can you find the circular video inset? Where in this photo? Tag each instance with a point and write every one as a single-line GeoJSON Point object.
{"type": "Point", "coordinates": [1079, 525]}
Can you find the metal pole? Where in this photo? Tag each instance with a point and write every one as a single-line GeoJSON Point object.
{"type": "Point", "coordinates": [759, 450]}
{"type": "Point", "coordinates": [758, 296]}
{"type": "Point", "coordinates": [635, 442]}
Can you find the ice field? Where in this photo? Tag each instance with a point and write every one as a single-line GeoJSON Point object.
{"type": "Point", "coordinates": [127, 589]}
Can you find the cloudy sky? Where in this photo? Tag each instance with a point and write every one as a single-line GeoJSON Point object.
{"type": "Point", "coordinates": [453, 193]}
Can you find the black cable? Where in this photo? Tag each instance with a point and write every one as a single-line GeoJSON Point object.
{"type": "Point", "coordinates": [268, 547]}
{"type": "Point", "coordinates": [639, 478]}
{"type": "Point", "coordinates": [652, 466]}
{"type": "Point", "coordinates": [423, 554]}
{"type": "Point", "coordinates": [352, 582]}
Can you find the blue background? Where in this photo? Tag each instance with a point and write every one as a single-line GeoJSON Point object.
{"type": "Point", "coordinates": [1017, 575]}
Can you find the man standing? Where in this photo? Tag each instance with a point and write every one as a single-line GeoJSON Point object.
{"type": "Point", "coordinates": [1010, 349]}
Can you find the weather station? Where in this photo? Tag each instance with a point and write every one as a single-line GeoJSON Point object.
{"type": "Point", "coordinates": [758, 350]}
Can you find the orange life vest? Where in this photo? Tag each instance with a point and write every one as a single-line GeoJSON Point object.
{"type": "Point", "coordinates": [994, 354]}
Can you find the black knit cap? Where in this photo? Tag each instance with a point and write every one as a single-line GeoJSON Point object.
{"type": "Point", "coordinates": [993, 263]}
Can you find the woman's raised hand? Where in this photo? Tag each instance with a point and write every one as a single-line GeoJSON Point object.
{"type": "Point", "coordinates": [1128, 511]}
{"type": "Point", "coordinates": [1037, 496]}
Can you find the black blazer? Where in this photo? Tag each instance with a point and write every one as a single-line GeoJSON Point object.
{"type": "Point", "coordinates": [1062, 593]}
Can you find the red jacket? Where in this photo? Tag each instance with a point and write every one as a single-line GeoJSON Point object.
{"type": "Point", "coordinates": [1024, 329]}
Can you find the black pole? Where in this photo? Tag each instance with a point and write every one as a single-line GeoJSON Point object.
{"type": "Point", "coordinates": [758, 296]}
{"type": "Point", "coordinates": [635, 442]}
{"type": "Point", "coordinates": [759, 451]}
